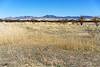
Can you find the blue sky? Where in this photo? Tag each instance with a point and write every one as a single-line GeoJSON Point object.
{"type": "Point", "coordinates": [51, 7]}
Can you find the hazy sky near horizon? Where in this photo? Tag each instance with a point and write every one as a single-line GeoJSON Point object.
{"type": "Point", "coordinates": [49, 7]}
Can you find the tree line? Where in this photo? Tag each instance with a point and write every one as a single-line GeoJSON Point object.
{"type": "Point", "coordinates": [81, 20]}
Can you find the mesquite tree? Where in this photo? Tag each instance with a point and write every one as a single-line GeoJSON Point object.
{"type": "Point", "coordinates": [1, 20]}
{"type": "Point", "coordinates": [81, 20]}
{"type": "Point", "coordinates": [95, 21]}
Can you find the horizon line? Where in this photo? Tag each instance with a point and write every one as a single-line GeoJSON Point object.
{"type": "Point", "coordinates": [52, 15]}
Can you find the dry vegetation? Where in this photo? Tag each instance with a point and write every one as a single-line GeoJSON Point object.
{"type": "Point", "coordinates": [49, 44]}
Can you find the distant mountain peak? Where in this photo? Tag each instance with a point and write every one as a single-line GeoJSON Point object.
{"type": "Point", "coordinates": [49, 16]}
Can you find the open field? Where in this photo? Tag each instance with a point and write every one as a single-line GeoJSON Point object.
{"type": "Point", "coordinates": [49, 45]}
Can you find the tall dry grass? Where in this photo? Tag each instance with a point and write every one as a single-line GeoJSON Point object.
{"type": "Point", "coordinates": [64, 36]}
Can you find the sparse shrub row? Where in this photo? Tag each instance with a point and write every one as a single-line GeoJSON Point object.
{"type": "Point", "coordinates": [82, 20]}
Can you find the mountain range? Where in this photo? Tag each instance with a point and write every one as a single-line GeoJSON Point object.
{"type": "Point", "coordinates": [49, 17]}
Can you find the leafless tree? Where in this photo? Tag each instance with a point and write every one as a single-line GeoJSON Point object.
{"type": "Point", "coordinates": [81, 20]}
{"type": "Point", "coordinates": [95, 20]}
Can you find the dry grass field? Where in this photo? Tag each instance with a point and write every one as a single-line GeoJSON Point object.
{"type": "Point", "coordinates": [49, 45]}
